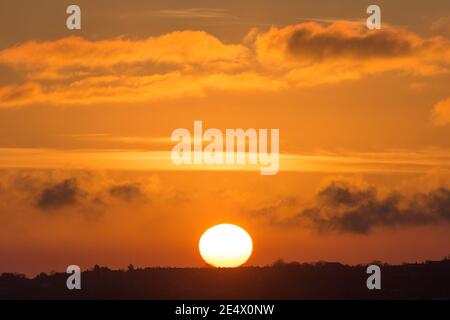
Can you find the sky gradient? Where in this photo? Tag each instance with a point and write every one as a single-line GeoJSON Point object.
{"type": "Point", "coordinates": [86, 118]}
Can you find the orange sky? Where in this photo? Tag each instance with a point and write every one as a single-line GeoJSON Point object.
{"type": "Point", "coordinates": [86, 118]}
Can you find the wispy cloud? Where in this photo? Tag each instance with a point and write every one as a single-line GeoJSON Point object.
{"type": "Point", "coordinates": [104, 137]}
{"type": "Point", "coordinates": [330, 20]}
{"type": "Point", "coordinates": [441, 112]}
{"type": "Point", "coordinates": [195, 13]}
{"type": "Point", "coordinates": [190, 63]}
{"type": "Point", "coordinates": [156, 159]}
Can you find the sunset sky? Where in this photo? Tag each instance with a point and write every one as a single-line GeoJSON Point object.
{"type": "Point", "coordinates": [86, 118]}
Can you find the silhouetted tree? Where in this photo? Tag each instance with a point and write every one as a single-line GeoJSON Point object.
{"type": "Point", "coordinates": [324, 280]}
{"type": "Point", "coordinates": [279, 263]}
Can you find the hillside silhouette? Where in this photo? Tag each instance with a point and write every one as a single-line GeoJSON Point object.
{"type": "Point", "coordinates": [322, 280]}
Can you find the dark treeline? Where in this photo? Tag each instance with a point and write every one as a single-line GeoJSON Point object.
{"type": "Point", "coordinates": [323, 280]}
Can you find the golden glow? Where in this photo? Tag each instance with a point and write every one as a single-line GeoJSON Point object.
{"type": "Point", "coordinates": [225, 246]}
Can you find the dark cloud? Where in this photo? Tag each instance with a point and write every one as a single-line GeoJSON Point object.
{"type": "Point", "coordinates": [306, 41]}
{"type": "Point", "coordinates": [26, 182]}
{"type": "Point", "coordinates": [340, 194]}
{"type": "Point", "coordinates": [273, 209]}
{"type": "Point", "coordinates": [64, 193]}
{"type": "Point", "coordinates": [126, 192]}
{"type": "Point", "coordinates": [346, 209]}
{"type": "Point", "coordinates": [86, 193]}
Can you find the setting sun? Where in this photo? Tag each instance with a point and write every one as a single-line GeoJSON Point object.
{"type": "Point", "coordinates": [225, 246]}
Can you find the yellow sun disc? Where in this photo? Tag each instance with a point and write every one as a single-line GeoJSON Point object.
{"type": "Point", "coordinates": [225, 246]}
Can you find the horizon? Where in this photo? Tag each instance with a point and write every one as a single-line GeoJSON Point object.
{"type": "Point", "coordinates": [277, 263]}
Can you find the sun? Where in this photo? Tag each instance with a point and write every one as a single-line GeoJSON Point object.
{"type": "Point", "coordinates": [225, 246]}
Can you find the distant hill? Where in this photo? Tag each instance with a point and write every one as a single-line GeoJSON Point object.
{"type": "Point", "coordinates": [323, 280]}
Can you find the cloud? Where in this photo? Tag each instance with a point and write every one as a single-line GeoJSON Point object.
{"type": "Point", "coordinates": [441, 112]}
{"type": "Point", "coordinates": [343, 208]}
{"type": "Point", "coordinates": [319, 43]}
{"type": "Point", "coordinates": [343, 40]}
{"type": "Point", "coordinates": [78, 71]}
{"type": "Point", "coordinates": [21, 94]}
{"type": "Point", "coordinates": [441, 26]}
{"type": "Point", "coordinates": [272, 212]}
{"type": "Point", "coordinates": [176, 48]}
{"type": "Point", "coordinates": [85, 192]}
{"type": "Point", "coordinates": [193, 13]}
{"type": "Point", "coordinates": [64, 193]}
{"type": "Point", "coordinates": [126, 192]}
{"type": "Point", "coordinates": [69, 193]}
{"type": "Point", "coordinates": [341, 194]}
{"type": "Point", "coordinates": [389, 161]}
{"type": "Point", "coordinates": [345, 51]}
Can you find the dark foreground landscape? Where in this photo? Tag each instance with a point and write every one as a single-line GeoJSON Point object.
{"type": "Point", "coordinates": [324, 280]}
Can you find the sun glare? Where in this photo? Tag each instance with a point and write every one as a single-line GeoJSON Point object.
{"type": "Point", "coordinates": [225, 246]}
